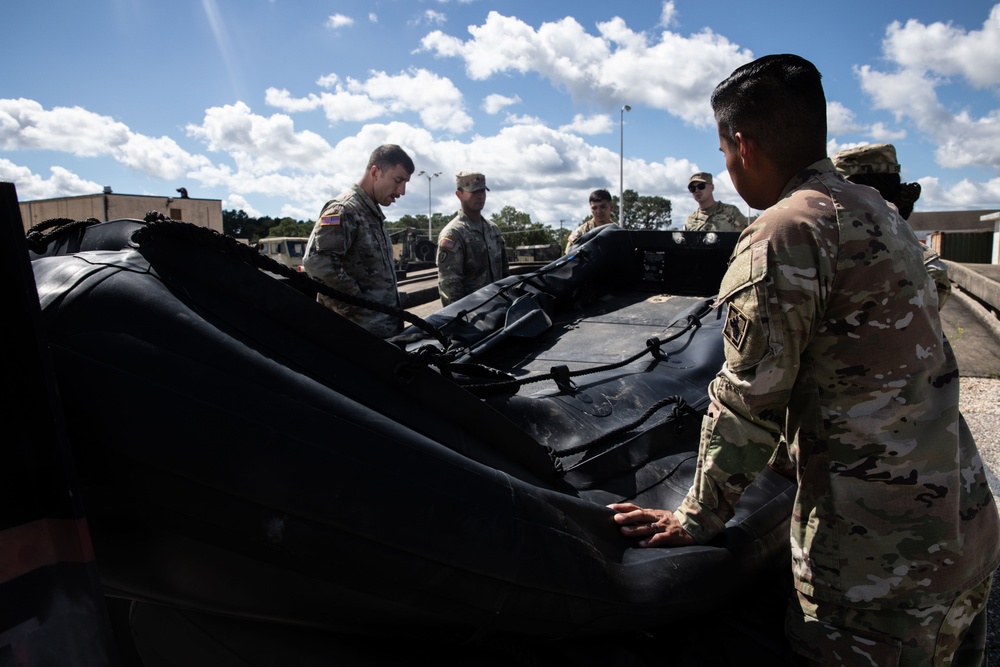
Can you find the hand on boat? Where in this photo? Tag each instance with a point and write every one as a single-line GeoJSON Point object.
{"type": "Point", "coordinates": [654, 528]}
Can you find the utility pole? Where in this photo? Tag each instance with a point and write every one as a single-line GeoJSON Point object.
{"type": "Point", "coordinates": [621, 165]}
{"type": "Point", "coordinates": [429, 177]}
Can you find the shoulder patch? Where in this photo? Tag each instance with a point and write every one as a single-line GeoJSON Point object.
{"type": "Point", "coordinates": [329, 220]}
{"type": "Point", "coordinates": [735, 330]}
{"type": "Point", "coordinates": [447, 243]}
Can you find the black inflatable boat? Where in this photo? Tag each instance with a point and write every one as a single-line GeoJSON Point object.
{"type": "Point", "coordinates": [249, 457]}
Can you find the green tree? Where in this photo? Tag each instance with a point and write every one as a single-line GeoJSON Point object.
{"type": "Point", "coordinates": [290, 227]}
{"type": "Point", "coordinates": [240, 225]}
{"type": "Point", "coordinates": [518, 229]}
{"type": "Point", "coordinates": [647, 212]}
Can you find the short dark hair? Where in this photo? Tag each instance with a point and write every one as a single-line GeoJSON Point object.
{"type": "Point", "coordinates": [600, 195]}
{"type": "Point", "coordinates": [387, 156]}
{"type": "Point", "coordinates": [778, 101]}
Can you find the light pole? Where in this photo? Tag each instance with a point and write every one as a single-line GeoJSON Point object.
{"type": "Point", "coordinates": [621, 165]}
{"type": "Point", "coordinates": [429, 177]}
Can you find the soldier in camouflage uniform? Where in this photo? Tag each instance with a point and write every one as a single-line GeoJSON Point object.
{"type": "Point", "coordinates": [837, 372]}
{"type": "Point", "coordinates": [875, 165]}
{"type": "Point", "coordinates": [471, 252]}
{"type": "Point", "coordinates": [600, 215]}
{"type": "Point", "coordinates": [711, 216]}
{"type": "Point", "coordinates": [349, 248]}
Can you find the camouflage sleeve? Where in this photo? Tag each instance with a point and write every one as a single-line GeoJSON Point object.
{"type": "Point", "coordinates": [939, 272]}
{"type": "Point", "coordinates": [333, 235]}
{"type": "Point", "coordinates": [771, 291]}
{"type": "Point", "coordinates": [739, 219]}
{"type": "Point", "coordinates": [450, 263]}
{"type": "Point", "coordinates": [573, 236]}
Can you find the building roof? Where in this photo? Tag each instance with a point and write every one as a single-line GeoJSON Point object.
{"type": "Point", "coordinates": [951, 221]}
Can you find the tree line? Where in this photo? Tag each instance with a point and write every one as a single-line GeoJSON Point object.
{"type": "Point", "coordinates": [640, 212]}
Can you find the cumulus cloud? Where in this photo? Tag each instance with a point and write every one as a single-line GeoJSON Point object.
{"type": "Point", "coordinates": [26, 125]}
{"type": "Point", "coordinates": [435, 99]}
{"type": "Point", "coordinates": [604, 69]}
{"type": "Point", "coordinates": [30, 186]}
{"type": "Point", "coordinates": [600, 124]}
{"type": "Point", "coordinates": [495, 103]}
{"type": "Point", "coordinates": [947, 50]}
{"type": "Point", "coordinates": [926, 59]}
{"type": "Point", "coordinates": [239, 203]}
{"type": "Point", "coordinates": [262, 144]}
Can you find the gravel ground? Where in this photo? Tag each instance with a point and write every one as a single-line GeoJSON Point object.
{"type": "Point", "coordinates": [980, 404]}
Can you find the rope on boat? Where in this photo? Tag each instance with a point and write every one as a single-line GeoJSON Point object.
{"type": "Point", "coordinates": [681, 409]}
{"type": "Point", "coordinates": [562, 375]}
{"type": "Point", "coordinates": [38, 240]}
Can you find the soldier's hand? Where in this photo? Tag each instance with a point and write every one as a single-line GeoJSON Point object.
{"type": "Point", "coordinates": [653, 528]}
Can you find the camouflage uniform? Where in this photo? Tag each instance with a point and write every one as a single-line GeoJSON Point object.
{"type": "Point", "coordinates": [871, 159]}
{"type": "Point", "coordinates": [583, 229]}
{"type": "Point", "coordinates": [718, 217]}
{"type": "Point", "coordinates": [350, 250]}
{"type": "Point", "coordinates": [834, 346]}
{"type": "Point", "coordinates": [470, 255]}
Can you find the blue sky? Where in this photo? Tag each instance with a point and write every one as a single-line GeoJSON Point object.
{"type": "Point", "coordinates": [273, 106]}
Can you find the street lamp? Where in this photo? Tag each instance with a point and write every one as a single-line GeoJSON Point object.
{"type": "Point", "coordinates": [429, 177]}
{"type": "Point", "coordinates": [621, 165]}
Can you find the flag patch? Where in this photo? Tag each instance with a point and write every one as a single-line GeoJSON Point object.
{"type": "Point", "coordinates": [447, 243]}
{"type": "Point", "coordinates": [329, 220]}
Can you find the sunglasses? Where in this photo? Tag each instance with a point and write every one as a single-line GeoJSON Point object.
{"type": "Point", "coordinates": [696, 186]}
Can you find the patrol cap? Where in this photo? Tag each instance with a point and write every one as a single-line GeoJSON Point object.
{"type": "Point", "coordinates": [867, 159]}
{"type": "Point", "coordinates": [701, 177]}
{"type": "Point", "coordinates": [470, 181]}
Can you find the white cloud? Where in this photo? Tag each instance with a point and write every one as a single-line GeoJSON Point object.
{"type": "Point", "coordinates": [840, 119]}
{"type": "Point", "coordinates": [606, 69]}
{"type": "Point", "coordinates": [964, 195]}
{"type": "Point", "coordinates": [239, 203]}
{"type": "Point", "coordinates": [338, 21]}
{"type": "Point", "coordinates": [26, 125]}
{"type": "Point", "coordinates": [373, 17]}
{"type": "Point", "coordinates": [434, 98]}
{"type": "Point", "coordinates": [261, 144]}
{"type": "Point", "coordinates": [947, 50]}
{"type": "Point", "coordinates": [882, 134]}
{"type": "Point", "coordinates": [668, 14]}
{"type": "Point", "coordinates": [495, 103]}
{"type": "Point", "coordinates": [599, 124]}
{"type": "Point", "coordinates": [31, 186]}
{"type": "Point", "coordinates": [927, 58]}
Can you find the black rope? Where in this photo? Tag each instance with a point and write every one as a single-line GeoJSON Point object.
{"type": "Point", "coordinates": [561, 374]}
{"type": "Point", "coordinates": [680, 408]}
{"type": "Point", "coordinates": [37, 240]}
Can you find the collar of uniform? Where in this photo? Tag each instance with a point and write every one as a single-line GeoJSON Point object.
{"type": "Point", "coordinates": [817, 168]}
{"type": "Point", "coordinates": [369, 202]}
{"type": "Point", "coordinates": [713, 209]}
{"type": "Point", "coordinates": [479, 225]}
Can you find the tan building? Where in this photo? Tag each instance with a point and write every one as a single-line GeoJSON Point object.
{"type": "Point", "coordinates": [110, 206]}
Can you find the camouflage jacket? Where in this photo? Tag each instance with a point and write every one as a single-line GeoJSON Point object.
{"type": "Point", "coordinates": [718, 217]}
{"type": "Point", "coordinates": [583, 229]}
{"type": "Point", "coordinates": [350, 251]}
{"type": "Point", "coordinates": [837, 372]}
{"type": "Point", "coordinates": [470, 255]}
